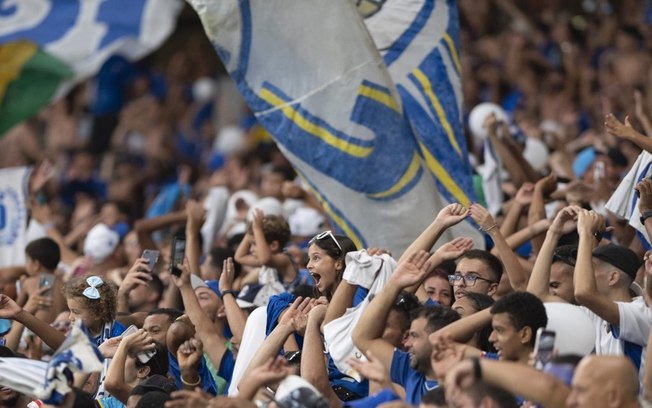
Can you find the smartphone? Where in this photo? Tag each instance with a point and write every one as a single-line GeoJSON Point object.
{"type": "Point", "coordinates": [598, 170]}
{"type": "Point", "coordinates": [152, 257]}
{"type": "Point", "coordinates": [145, 356]}
{"type": "Point", "coordinates": [46, 281]}
{"type": "Point", "coordinates": [129, 330]}
{"type": "Point", "coordinates": [178, 254]}
{"type": "Point", "coordinates": [544, 346]}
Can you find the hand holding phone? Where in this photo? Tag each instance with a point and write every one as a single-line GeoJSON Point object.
{"type": "Point", "coordinates": [178, 254]}
{"type": "Point", "coordinates": [46, 281]}
{"type": "Point", "coordinates": [152, 256]}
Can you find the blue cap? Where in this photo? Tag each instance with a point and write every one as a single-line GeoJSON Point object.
{"type": "Point", "coordinates": [583, 161]}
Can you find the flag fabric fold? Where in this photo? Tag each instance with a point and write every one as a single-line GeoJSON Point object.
{"type": "Point", "coordinates": [317, 83]}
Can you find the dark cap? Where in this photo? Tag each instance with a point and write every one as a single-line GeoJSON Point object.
{"type": "Point", "coordinates": [619, 256]}
{"type": "Point", "coordinates": [155, 382]}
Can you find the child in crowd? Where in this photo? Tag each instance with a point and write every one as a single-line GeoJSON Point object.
{"type": "Point", "coordinates": [93, 301]}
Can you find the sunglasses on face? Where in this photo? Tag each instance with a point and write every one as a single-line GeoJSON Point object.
{"type": "Point", "coordinates": [323, 235]}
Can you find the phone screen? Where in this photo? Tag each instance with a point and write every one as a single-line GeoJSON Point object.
{"type": "Point", "coordinates": [544, 346]}
{"type": "Point", "coordinates": [178, 253]}
{"type": "Point", "coordinates": [46, 281]}
{"type": "Point", "coordinates": [152, 257]}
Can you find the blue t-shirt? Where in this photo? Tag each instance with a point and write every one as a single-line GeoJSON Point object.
{"type": "Point", "coordinates": [207, 382]}
{"type": "Point", "coordinates": [414, 382]}
{"type": "Point", "coordinates": [116, 330]}
{"type": "Point", "coordinates": [110, 402]}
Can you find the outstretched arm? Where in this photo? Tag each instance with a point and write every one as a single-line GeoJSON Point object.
{"type": "Point", "coordinates": [367, 334]}
{"type": "Point", "coordinates": [515, 272]}
{"type": "Point", "coordinates": [448, 216]}
{"type": "Point", "coordinates": [625, 131]}
{"type": "Point", "coordinates": [586, 291]}
{"type": "Point", "coordinates": [516, 378]}
{"type": "Point", "coordinates": [10, 310]}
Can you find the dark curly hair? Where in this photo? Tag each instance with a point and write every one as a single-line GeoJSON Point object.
{"type": "Point", "coordinates": [524, 309]}
{"type": "Point", "coordinates": [275, 228]}
{"type": "Point", "coordinates": [104, 307]}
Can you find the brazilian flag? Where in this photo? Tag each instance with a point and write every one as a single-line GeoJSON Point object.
{"type": "Point", "coordinates": [29, 79]}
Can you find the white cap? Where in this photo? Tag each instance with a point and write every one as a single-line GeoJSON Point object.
{"type": "Point", "coordinates": [100, 243]}
{"type": "Point", "coordinates": [306, 222]}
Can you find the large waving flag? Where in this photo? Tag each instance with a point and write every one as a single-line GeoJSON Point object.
{"type": "Point", "coordinates": [47, 45]}
{"type": "Point", "coordinates": [312, 75]}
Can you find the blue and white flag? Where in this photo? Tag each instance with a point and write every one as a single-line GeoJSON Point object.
{"type": "Point", "coordinates": [419, 42]}
{"type": "Point", "coordinates": [311, 73]}
{"type": "Point", "coordinates": [13, 215]}
{"type": "Point", "coordinates": [624, 201]}
{"type": "Point", "coordinates": [51, 381]}
{"type": "Point", "coordinates": [84, 33]}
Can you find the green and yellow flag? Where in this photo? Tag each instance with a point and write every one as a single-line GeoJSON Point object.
{"type": "Point", "coordinates": [29, 77]}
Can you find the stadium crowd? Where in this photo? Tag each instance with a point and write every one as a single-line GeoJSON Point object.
{"type": "Point", "coordinates": [208, 274]}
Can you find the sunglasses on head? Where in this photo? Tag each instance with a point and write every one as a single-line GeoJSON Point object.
{"type": "Point", "coordinates": [323, 235]}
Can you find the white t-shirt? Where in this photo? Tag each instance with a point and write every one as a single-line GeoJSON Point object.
{"type": "Point", "coordinates": [630, 337]}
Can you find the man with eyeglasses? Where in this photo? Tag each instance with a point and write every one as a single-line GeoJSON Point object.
{"type": "Point", "coordinates": [477, 271]}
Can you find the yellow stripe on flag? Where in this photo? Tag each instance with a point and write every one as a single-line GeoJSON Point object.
{"type": "Point", "coordinates": [427, 87]}
{"type": "Point", "coordinates": [442, 175]}
{"type": "Point", "coordinates": [407, 177]}
{"type": "Point", "coordinates": [453, 51]}
{"type": "Point", "coordinates": [312, 128]}
{"type": "Point", "coordinates": [13, 56]}
{"type": "Point", "coordinates": [379, 96]}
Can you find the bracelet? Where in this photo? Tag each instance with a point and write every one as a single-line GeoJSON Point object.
{"type": "Point", "coordinates": [477, 369]}
{"type": "Point", "coordinates": [488, 229]}
{"type": "Point", "coordinates": [187, 384]}
{"type": "Point", "coordinates": [228, 292]}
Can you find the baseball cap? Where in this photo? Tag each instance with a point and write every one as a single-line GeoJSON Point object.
{"type": "Point", "coordinates": [247, 295]}
{"type": "Point", "coordinates": [100, 242]}
{"type": "Point", "coordinates": [196, 282]}
{"type": "Point", "coordinates": [619, 256]}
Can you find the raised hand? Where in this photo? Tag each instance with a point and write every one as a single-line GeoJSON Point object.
{"type": "Point", "coordinates": [190, 354]}
{"type": "Point", "coordinates": [454, 249]}
{"type": "Point", "coordinates": [566, 220]}
{"type": "Point", "coordinates": [183, 279]}
{"type": "Point", "coordinates": [271, 372]}
{"type": "Point", "coordinates": [228, 275]}
{"type": "Point", "coordinates": [296, 316]}
{"type": "Point", "coordinates": [137, 342]}
{"type": "Point", "coordinates": [482, 217]}
{"type": "Point", "coordinates": [257, 220]}
{"type": "Point", "coordinates": [139, 274]}
{"type": "Point", "coordinates": [591, 222]}
{"type": "Point", "coordinates": [412, 270]}
{"type": "Point", "coordinates": [524, 194]}
{"type": "Point", "coordinates": [445, 355]}
{"type": "Point", "coordinates": [618, 129]}
{"type": "Point", "coordinates": [37, 301]}
{"type": "Point", "coordinates": [8, 308]}
{"type": "Point", "coordinates": [196, 213]}
{"type": "Point", "coordinates": [644, 188]}
{"type": "Point", "coordinates": [458, 378]}
{"type": "Point", "coordinates": [189, 399]}
{"type": "Point", "coordinates": [373, 369]}
{"type": "Point", "coordinates": [547, 185]}
{"type": "Point", "coordinates": [452, 214]}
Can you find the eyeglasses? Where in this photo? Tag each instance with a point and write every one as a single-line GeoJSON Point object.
{"type": "Point", "coordinates": [323, 235]}
{"type": "Point", "coordinates": [469, 279]}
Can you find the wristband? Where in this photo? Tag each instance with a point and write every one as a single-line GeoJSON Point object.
{"type": "Point", "coordinates": [186, 383]}
{"type": "Point", "coordinates": [645, 215]}
{"type": "Point", "coordinates": [477, 369]}
{"type": "Point", "coordinates": [228, 292]}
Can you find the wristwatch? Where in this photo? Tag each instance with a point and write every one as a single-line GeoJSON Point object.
{"type": "Point", "coordinates": [645, 215]}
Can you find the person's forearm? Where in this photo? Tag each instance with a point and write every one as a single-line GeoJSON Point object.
{"type": "Point", "coordinates": [525, 381]}
{"type": "Point", "coordinates": [313, 363]}
{"type": "Point", "coordinates": [641, 141]}
{"type": "Point", "coordinates": [526, 234]}
{"type": "Point", "coordinates": [270, 347]}
{"type": "Point", "coordinates": [342, 299]}
{"type": "Point", "coordinates": [123, 302]}
{"type": "Point", "coordinates": [536, 212]}
{"type": "Point", "coordinates": [12, 338]}
{"type": "Point", "coordinates": [511, 165]}
{"type": "Point", "coordinates": [235, 316]}
{"type": "Point", "coordinates": [463, 330]}
{"type": "Point", "coordinates": [193, 249]}
{"type": "Point", "coordinates": [115, 376]}
{"type": "Point", "coordinates": [242, 255]}
{"type": "Point", "coordinates": [190, 378]}
{"type": "Point", "coordinates": [372, 322]}
{"type": "Point", "coordinates": [510, 223]}
{"type": "Point", "coordinates": [426, 240]}
{"type": "Point", "coordinates": [263, 252]}
{"type": "Point", "coordinates": [202, 322]}
{"type": "Point", "coordinates": [517, 276]}
{"type": "Point", "coordinates": [583, 277]}
{"type": "Point", "coordinates": [144, 227]}
{"type": "Point", "coordinates": [540, 278]}
{"type": "Point", "coordinates": [51, 336]}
